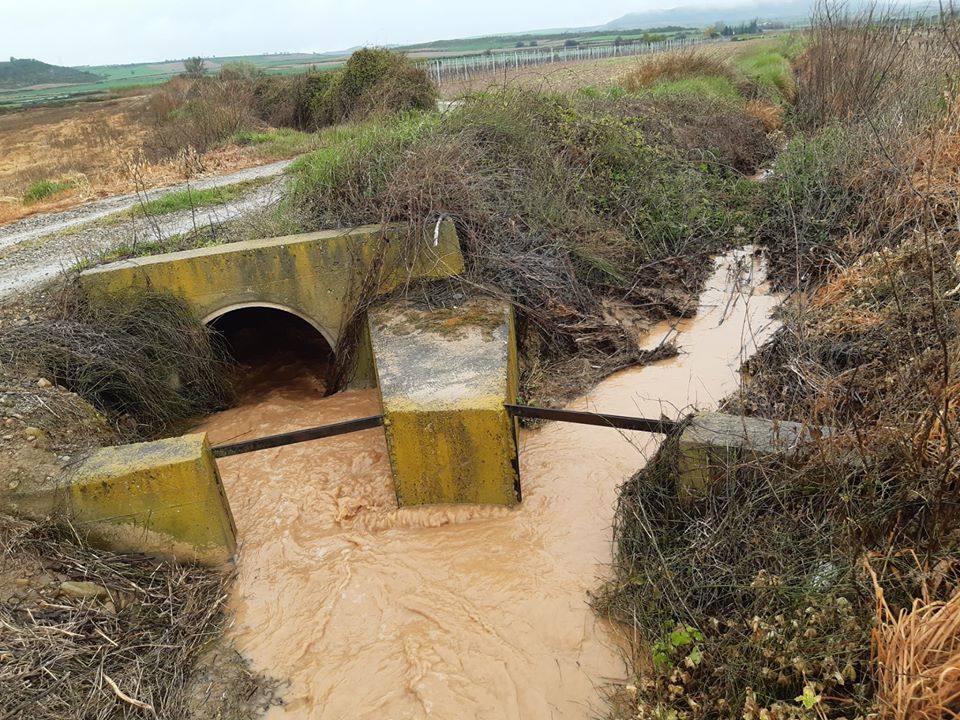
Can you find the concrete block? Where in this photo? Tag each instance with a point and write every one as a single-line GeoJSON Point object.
{"type": "Point", "coordinates": [444, 376]}
{"type": "Point", "coordinates": [161, 498]}
{"type": "Point", "coordinates": [712, 441]}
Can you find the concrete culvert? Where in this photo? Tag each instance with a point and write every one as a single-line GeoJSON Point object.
{"type": "Point", "coordinates": [271, 345]}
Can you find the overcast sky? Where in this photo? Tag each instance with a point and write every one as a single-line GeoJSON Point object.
{"type": "Point", "coordinates": [94, 32]}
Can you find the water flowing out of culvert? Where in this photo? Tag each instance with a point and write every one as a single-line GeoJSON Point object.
{"type": "Point", "coordinates": [367, 611]}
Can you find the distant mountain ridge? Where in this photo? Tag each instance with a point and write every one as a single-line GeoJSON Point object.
{"type": "Point", "coordinates": [18, 73]}
{"type": "Point", "coordinates": [699, 16]}
{"type": "Point", "coordinates": [785, 10]}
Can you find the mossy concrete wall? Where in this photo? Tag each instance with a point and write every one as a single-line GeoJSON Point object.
{"type": "Point", "coordinates": [444, 376]}
{"type": "Point", "coordinates": [314, 275]}
{"type": "Point", "coordinates": [161, 498]}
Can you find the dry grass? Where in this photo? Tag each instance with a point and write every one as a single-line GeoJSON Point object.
{"type": "Point", "coordinates": [677, 66]}
{"type": "Point", "coordinates": [93, 634]}
{"type": "Point", "coordinates": [570, 76]}
{"type": "Point", "coordinates": [917, 657]}
{"type": "Point", "coordinates": [768, 562]}
{"type": "Point", "coordinates": [141, 357]}
{"type": "Point", "coordinates": [100, 148]}
{"type": "Point", "coordinates": [769, 114]}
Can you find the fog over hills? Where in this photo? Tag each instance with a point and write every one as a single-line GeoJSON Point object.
{"type": "Point", "coordinates": [705, 14]}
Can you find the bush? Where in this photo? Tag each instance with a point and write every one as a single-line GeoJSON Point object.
{"type": "Point", "coordinates": [239, 71]}
{"type": "Point", "coordinates": [559, 204]}
{"type": "Point", "coordinates": [194, 68]}
{"type": "Point", "coordinates": [868, 64]}
{"type": "Point", "coordinates": [678, 66]}
{"type": "Point", "coordinates": [198, 114]}
{"type": "Point", "coordinates": [203, 112]}
{"type": "Point", "coordinates": [373, 80]}
{"type": "Point", "coordinates": [812, 202]}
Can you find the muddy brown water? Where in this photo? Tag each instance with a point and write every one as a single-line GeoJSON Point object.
{"type": "Point", "coordinates": [365, 610]}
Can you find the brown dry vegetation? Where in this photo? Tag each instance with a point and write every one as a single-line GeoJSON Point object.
{"type": "Point", "coordinates": [761, 593]}
{"type": "Point", "coordinates": [570, 76]}
{"type": "Point", "coordinates": [675, 66]}
{"type": "Point", "coordinates": [99, 148]}
{"type": "Point", "coordinates": [190, 126]}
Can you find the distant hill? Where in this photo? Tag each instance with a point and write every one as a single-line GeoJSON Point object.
{"type": "Point", "coordinates": [745, 11]}
{"type": "Point", "coordinates": [24, 73]}
{"type": "Point", "coordinates": [705, 15]}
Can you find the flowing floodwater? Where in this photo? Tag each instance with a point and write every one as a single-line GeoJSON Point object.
{"type": "Point", "coordinates": [367, 611]}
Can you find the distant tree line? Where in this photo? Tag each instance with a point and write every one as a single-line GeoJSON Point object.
{"type": "Point", "coordinates": [722, 29]}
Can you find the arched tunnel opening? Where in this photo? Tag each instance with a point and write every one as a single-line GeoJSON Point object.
{"type": "Point", "coordinates": [272, 348]}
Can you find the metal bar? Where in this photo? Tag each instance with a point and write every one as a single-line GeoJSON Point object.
{"type": "Point", "coordinates": [297, 436]}
{"type": "Point", "coordinates": [622, 422]}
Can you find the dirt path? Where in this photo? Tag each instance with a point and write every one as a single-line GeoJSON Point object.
{"type": "Point", "coordinates": [36, 250]}
{"type": "Point", "coordinates": [37, 226]}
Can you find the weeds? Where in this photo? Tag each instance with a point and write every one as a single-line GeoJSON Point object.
{"type": "Point", "coordinates": [559, 206]}
{"type": "Point", "coordinates": [283, 142]}
{"type": "Point", "coordinates": [759, 75]}
{"type": "Point", "coordinates": [190, 199]}
{"type": "Point", "coordinates": [123, 648]}
{"type": "Point", "coordinates": [774, 572]}
{"type": "Point", "coordinates": [43, 189]}
{"type": "Point", "coordinates": [141, 357]}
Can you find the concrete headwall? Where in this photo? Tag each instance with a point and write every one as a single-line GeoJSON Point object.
{"type": "Point", "coordinates": [313, 275]}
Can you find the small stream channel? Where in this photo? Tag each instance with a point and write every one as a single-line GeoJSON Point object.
{"type": "Point", "coordinates": [365, 610]}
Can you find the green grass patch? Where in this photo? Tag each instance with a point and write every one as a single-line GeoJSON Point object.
{"type": "Point", "coordinates": [710, 86]}
{"type": "Point", "coordinates": [276, 144]}
{"type": "Point", "coordinates": [339, 144]}
{"type": "Point", "coordinates": [770, 71]}
{"type": "Point", "coordinates": [43, 189]}
{"type": "Point", "coordinates": [190, 198]}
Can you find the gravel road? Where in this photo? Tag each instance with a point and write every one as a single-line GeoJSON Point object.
{"type": "Point", "coordinates": [34, 250]}
{"type": "Point", "coordinates": [47, 223]}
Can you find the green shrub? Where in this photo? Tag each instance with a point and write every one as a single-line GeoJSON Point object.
{"type": "Point", "coordinates": [373, 80]}
{"type": "Point", "coordinates": [43, 189]}
{"type": "Point", "coordinates": [812, 202]}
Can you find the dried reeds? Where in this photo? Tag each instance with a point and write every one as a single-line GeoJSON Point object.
{"type": "Point", "coordinates": [92, 634]}
{"type": "Point", "coordinates": [142, 356]}
{"type": "Point", "coordinates": [676, 66]}
{"type": "Point", "coordinates": [917, 659]}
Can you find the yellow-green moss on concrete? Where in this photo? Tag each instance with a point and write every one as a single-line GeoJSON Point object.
{"type": "Point", "coordinates": [443, 393]}
{"type": "Point", "coordinates": [163, 498]}
{"type": "Point", "coordinates": [313, 275]}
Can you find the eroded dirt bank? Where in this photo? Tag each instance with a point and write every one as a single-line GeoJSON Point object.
{"type": "Point", "coordinates": [368, 611]}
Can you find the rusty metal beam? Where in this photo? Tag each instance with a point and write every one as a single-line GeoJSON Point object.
{"type": "Point", "coordinates": [621, 422]}
{"type": "Point", "coordinates": [298, 436]}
